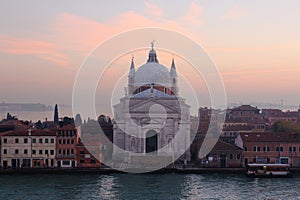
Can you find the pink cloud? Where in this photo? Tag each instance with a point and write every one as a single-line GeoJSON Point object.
{"type": "Point", "coordinates": [192, 17]}
{"type": "Point", "coordinates": [153, 9]}
{"type": "Point", "coordinates": [42, 49]}
{"type": "Point", "coordinates": [235, 13]}
{"type": "Point", "coordinates": [83, 34]}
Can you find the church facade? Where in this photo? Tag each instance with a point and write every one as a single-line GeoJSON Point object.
{"type": "Point", "coordinates": [151, 121]}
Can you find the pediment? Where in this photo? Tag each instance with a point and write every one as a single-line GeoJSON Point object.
{"type": "Point", "coordinates": [144, 106]}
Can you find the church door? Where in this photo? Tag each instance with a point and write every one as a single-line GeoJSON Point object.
{"type": "Point", "coordinates": [151, 141]}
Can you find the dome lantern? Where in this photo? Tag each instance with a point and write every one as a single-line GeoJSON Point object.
{"type": "Point", "coordinates": [152, 54]}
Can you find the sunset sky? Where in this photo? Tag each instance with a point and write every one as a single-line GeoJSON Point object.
{"type": "Point", "coordinates": [255, 44]}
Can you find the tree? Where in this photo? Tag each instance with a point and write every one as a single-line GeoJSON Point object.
{"type": "Point", "coordinates": [285, 126]}
{"type": "Point", "coordinates": [55, 115]}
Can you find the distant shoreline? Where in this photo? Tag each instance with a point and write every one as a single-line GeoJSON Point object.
{"type": "Point", "coordinates": [27, 107]}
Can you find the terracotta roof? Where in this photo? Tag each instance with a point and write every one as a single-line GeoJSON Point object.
{"type": "Point", "coordinates": [224, 146]}
{"type": "Point", "coordinates": [67, 127]}
{"type": "Point", "coordinates": [279, 113]}
{"type": "Point", "coordinates": [270, 137]}
{"type": "Point", "coordinates": [35, 132]}
{"type": "Point", "coordinates": [17, 124]}
{"type": "Point", "coordinates": [5, 133]}
{"type": "Point", "coordinates": [245, 108]}
{"type": "Point", "coordinates": [220, 145]}
{"type": "Point", "coordinates": [6, 127]}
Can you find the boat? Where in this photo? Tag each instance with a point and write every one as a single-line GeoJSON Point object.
{"type": "Point", "coordinates": [268, 170]}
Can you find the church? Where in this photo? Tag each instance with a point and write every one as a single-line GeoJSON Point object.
{"type": "Point", "coordinates": [151, 122]}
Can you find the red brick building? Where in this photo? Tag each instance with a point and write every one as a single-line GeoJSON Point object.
{"type": "Point", "coordinates": [270, 147]}
{"type": "Point", "coordinates": [273, 115]}
{"type": "Point", "coordinates": [66, 146]}
{"type": "Point", "coordinates": [243, 111]}
{"type": "Point", "coordinates": [86, 155]}
{"type": "Point", "coordinates": [222, 155]}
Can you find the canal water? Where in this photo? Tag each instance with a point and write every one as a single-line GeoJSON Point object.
{"type": "Point", "coordinates": [150, 186]}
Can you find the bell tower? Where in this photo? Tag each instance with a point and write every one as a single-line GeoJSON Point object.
{"type": "Point", "coordinates": [174, 78]}
{"type": "Point", "coordinates": [131, 77]}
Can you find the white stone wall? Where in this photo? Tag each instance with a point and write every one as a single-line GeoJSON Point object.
{"type": "Point", "coordinates": [11, 146]}
{"type": "Point", "coordinates": [166, 128]}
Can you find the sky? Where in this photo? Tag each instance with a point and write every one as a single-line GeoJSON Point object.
{"type": "Point", "coordinates": [255, 44]}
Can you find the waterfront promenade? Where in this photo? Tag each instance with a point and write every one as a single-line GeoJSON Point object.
{"type": "Point", "coordinates": [114, 171]}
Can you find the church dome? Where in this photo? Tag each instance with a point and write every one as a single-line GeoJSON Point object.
{"type": "Point", "coordinates": [152, 73]}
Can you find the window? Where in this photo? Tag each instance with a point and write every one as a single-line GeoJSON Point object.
{"type": "Point", "coordinates": [268, 148]}
{"type": "Point", "coordinates": [46, 152]}
{"type": "Point", "coordinates": [264, 148]}
{"type": "Point", "coordinates": [33, 140]}
{"type": "Point", "coordinates": [81, 152]}
{"type": "Point", "coordinates": [25, 151]}
{"type": "Point", "coordinates": [41, 140]}
{"type": "Point", "coordinates": [59, 151]}
{"type": "Point", "coordinates": [72, 151]}
{"type": "Point", "coordinates": [93, 161]}
{"type": "Point", "coordinates": [40, 151]}
{"type": "Point", "coordinates": [33, 151]}
{"type": "Point", "coordinates": [68, 141]}
{"type": "Point", "coordinates": [59, 141]}
{"type": "Point", "coordinates": [290, 149]}
{"type": "Point", "coordinates": [16, 151]}
{"type": "Point", "coordinates": [46, 140]}
{"type": "Point", "coordinates": [68, 151]}
{"type": "Point", "coordinates": [258, 148]}
{"type": "Point", "coordinates": [294, 148]}
{"type": "Point", "coordinates": [25, 140]}
{"type": "Point", "coordinates": [64, 151]}
{"type": "Point", "coordinates": [254, 148]}
{"type": "Point", "coordinates": [277, 148]}
{"type": "Point", "coordinates": [81, 161]}
{"type": "Point", "coordinates": [299, 148]}
{"type": "Point", "coordinates": [66, 162]}
{"type": "Point", "coordinates": [254, 160]}
{"type": "Point", "coordinates": [16, 140]}
{"type": "Point", "coordinates": [72, 141]}
{"type": "Point", "coordinates": [281, 148]}
{"type": "Point", "coordinates": [4, 151]}
{"type": "Point", "coordinates": [238, 156]}
{"type": "Point", "coordinates": [231, 156]}
{"type": "Point", "coordinates": [284, 160]}
{"type": "Point", "coordinates": [245, 149]}
{"type": "Point", "coordinates": [52, 140]}
{"type": "Point", "coordinates": [5, 141]}
{"type": "Point", "coordinates": [51, 152]}
{"type": "Point", "coordinates": [64, 141]}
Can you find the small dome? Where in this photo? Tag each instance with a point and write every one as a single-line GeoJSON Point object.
{"type": "Point", "coordinates": [152, 72]}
